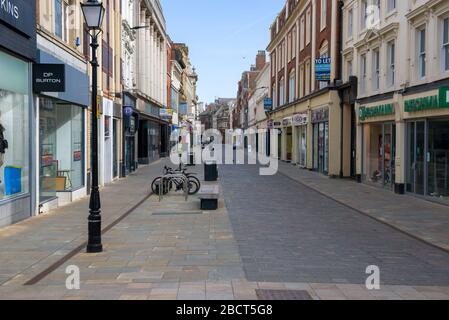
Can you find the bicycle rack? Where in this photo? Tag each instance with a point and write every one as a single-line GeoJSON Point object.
{"type": "Point", "coordinates": [185, 182]}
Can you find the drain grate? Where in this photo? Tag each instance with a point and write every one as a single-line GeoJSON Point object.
{"type": "Point", "coordinates": [176, 213]}
{"type": "Point", "coordinates": [273, 295]}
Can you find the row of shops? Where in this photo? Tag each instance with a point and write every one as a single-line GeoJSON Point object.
{"type": "Point", "coordinates": [45, 121]}
{"type": "Point", "coordinates": [398, 141]}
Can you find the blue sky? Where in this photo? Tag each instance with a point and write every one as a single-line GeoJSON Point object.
{"type": "Point", "coordinates": [223, 38]}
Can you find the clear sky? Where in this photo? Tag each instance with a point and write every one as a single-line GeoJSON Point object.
{"type": "Point", "coordinates": [223, 38]}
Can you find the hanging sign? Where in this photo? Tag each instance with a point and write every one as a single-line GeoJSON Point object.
{"type": "Point", "coordinates": [323, 69]}
{"type": "Point", "coordinates": [48, 77]}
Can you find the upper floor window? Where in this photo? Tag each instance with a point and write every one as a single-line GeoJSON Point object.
{"type": "Point", "coordinates": [292, 87]}
{"type": "Point", "coordinates": [376, 70]}
{"type": "Point", "coordinates": [308, 26]}
{"type": "Point", "coordinates": [349, 69]}
{"type": "Point", "coordinates": [364, 14]}
{"type": "Point", "coordinates": [391, 5]}
{"type": "Point", "coordinates": [302, 34]}
{"type": "Point", "coordinates": [363, 73]}
{"type": "Point", "coordinates": [63, 11]}
{"type": "Point", "coordinates": [391, 65]}
{"type": "Point", "coordinates": [445, 46]}
{"type": "Point", "coordinates": [58, 18]}
{"type": "Point", "coordinates": [422, 52]}
{"type": "Point", "coordinates": [281, 92]}
{"type": "Point", "coordinates": [323, 14]}
{"type": "Point", "coordinates": [350, 23]}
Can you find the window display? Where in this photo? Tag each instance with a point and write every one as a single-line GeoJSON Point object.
{"type": "Point", "coordinates": [14, 127]}
{"type": "Point", "coordinates": [61, 148]}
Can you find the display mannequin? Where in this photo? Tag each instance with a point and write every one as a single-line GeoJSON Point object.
{"type": "Point", "coordinates": [3, 143]}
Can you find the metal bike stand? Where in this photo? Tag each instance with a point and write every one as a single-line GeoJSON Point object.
{"type": "Point", "coordinates": [185, 182]}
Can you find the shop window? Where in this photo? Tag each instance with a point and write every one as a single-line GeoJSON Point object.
{"type": "Point", "coordinates": [14, 127]}
{"type": "Point", "coordinates": [61, 133]}
{"type": "Point", "coordinates": [438, 159]}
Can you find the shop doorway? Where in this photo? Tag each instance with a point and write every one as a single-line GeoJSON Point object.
{"type": "Point", "coordinates": [289, 143]}
{"type": "Point", "coordinates": [380, 154]}
{"type": "Point", "coordinates": [114, 148]}
{"type": "Point", "coordinates": [302, 146]}
{"type": "Point", "coordinates": [321, 147]}
{"type": "Point", "coordinates": [416, 137]}
{"type": "Point", "coordinates": [279, 144]}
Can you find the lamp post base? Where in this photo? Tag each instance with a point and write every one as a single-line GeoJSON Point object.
{"type": "Point", "coordinates": [94, 248]}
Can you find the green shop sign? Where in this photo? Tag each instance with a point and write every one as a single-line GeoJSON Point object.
{"type": "Point", "coordinates": [429, 103]}
{"type": "Point", "coordinates": [377, 111]}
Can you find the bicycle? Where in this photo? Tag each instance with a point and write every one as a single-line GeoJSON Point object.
{"type": "Point", "coordinates": [194, 184]}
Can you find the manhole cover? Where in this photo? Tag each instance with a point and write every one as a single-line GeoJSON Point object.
{"type": "Point", "coordinates": [176, 213]}
{"type": "Point", "coordinates": [272, 295]}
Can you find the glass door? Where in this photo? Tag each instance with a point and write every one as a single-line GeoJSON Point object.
{"type": "Point", "coordinates": [416, 160]}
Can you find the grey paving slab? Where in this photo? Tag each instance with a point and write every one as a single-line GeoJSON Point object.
{"type": "Point", "coordinates": [287, 232]}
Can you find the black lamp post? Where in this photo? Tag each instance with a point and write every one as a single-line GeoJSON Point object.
{"type": "Point", "coordinates": [93, 13]}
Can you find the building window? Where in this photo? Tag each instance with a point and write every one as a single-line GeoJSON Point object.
{"type": "Point", "coordinates": [294, 42]}
{"type": "Point", "coordinates": [301, 81]}
{"type": "Point", "coordinates": [58, 18]}
{"type": "Point", "coordinates": [363, 73]}
{"type": "Point", "coordinates": [14, 127]}
{"type": "Point", "coordinates": [281, 92]}
{"type": "Point", "coordinates": [445, 54]}
{"type": "Point", "coordinates": [391, 67]}
{"type": "Point", "coordinates": [350, 23]}
{"type": "Point", "coordinates": [376, 70]}
{"type": "Point", "coordinates": [349, 69]}
{"type": "Point", "coordinates": [422, 52]}
{"type": "Point", "coordinates": [364, 14]}
{"type": "Point", "coordinates": [308, 26]}
{"type": "Point", "coordinates": [391, 5]}
{"type": "Point", "coordinates": [301, 34]}
{"type": "Point", "coordinates": [307, 78]}
{"type": "Point", "coordinates": [292, 87]}
{"type": "Point", "coordinates": [323, 14]}
{"type": "Point", "coordinates": [273, 96]}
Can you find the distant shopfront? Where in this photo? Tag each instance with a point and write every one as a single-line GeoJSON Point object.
{"type": "Point", "coordinates": [129, 137]}
{"type": "Point", "coordinates": [300, 123]}
{"type": "Point", "coordinates": [17, 52]}
{"type": "Point", "coordinates": [320, 122]}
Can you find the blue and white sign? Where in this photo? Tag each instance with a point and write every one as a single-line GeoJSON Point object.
{"type": "Point", "coordinates": [323, 69]}
{"type": "Point", "coordinates": [268, 104]}
{"type": "Point", "coordinates": [128, 111]}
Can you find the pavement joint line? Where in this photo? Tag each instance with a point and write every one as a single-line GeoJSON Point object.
{"type": "Point", "coordinates": [42, 275]}
{"type": "Point", "coordinates": [367, 214]}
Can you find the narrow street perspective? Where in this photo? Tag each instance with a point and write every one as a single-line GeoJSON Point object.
{"type": "Point", "coordinates": [262, 151]}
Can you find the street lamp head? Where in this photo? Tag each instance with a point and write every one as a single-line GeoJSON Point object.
{"type": "Point", "coordinates": [93, 12]}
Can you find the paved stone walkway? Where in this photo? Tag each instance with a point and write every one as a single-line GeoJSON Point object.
{"type": "Point", "coordinates": [172, 250]}
{"type": "Point", "coordinates": [32, 245]}
{"type": "Point", "coordinates": [424, 219]}
{"type": "Point", "coordinates": [290, 233]}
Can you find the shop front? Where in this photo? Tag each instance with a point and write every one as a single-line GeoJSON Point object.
{"type": "Point", "coordinates": [378, 144]}
{"type": "Point", "coordinates": [129, 135]}
{"type": "Point", "coordinates": [320, 122]}
{"type": "Point", "coordinates": [277, 125]}
{"type": "Point", "coordinates": [288, 138]}
{"type": "Point", "coordinates": [427, 144]}
{"type": "Point", "coordinates": [300, 123]}
{"type": "Point", "coordinates": [17, 52]}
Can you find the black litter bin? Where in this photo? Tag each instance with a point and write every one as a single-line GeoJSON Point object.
{"type": "Point", "coordinates": [210, 171]}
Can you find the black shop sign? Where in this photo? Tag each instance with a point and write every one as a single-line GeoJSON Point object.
{"type": "Point", "coordinates": [49, 77]}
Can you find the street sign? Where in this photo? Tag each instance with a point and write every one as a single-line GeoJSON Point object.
{"type": "Point", "coordinates": [323, 69]}
{"type": "Point", "coordinates": [48, 77]}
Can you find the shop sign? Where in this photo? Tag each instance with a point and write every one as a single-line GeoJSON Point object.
{"type": "Point", "coordinates": [300, 119]}
{"type": "Point", "coordinates": [277, 124]}
{"type": "Point", "coordinates": [377, 111]}
{"type": "Point", "coordinates": [48, 77]}
{"type": "Point", "coordinates": [18, 14]}
{"type": "Point", "coordinates": [268, 104]}
{"type": "Point", "coordinates": [128, 111]}
{"type": "Point", "coordinates": [166, 114]}
{"type": "Point", "coordinates": [287, 122]}
{"type": "Point", "coordinates": [320, 115]}
{"type": "Point", "coordinates": [323, 69]}
{"type": "Point", "coordinates": [444, 97]}
{"type": "Point", "coordinates": [427, 103]}
{"type": "Point", "coordinates": [270, 124]}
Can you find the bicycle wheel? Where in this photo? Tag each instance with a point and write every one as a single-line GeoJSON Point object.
{"type": "Point", "coordinates": [156, 185]}
{"type": "Point", "coordinates": [195, 179]}
{"type": "Point", "coordinates": [194, 187]}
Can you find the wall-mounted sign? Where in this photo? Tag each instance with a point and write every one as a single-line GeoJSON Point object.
{"type": "Point", "coordinates": [270, 124]}
{"type": "Point", "coordinates": [166, 114]}
{"type": "Point", "coordinates": [376, 111]}
{"type": "Point", "coordinates": [287, 122]}
{"type": "Point", "coordinates": [428, 103]}
{"type": "Point", "coordinates": [323, 69]}
{"type": "Point", "coordinates": [320, 115]}
{"type": "Point", "coordinates": [300, 119]}
{"type": "Point", "coordinates": [128, 111]}
{"type": "Point", "coordinates": [444, 97]}
{"type": "Point", "coordinates": [19, 15]}
{"type": "Point", "coordinates": [48, 77]}
{"type": "Point", "coordinates": [277, 124]}
{"type": "Point", "coordinates": [268, 104]}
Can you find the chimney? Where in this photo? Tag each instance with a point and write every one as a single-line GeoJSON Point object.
{"type": "Point", "coordinates": [261, 59]}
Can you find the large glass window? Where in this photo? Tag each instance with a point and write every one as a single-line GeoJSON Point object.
{"type": "Point", "coordinates": [14, 127]}
{"type": "Point", "coordinates": [61, 148]}
{"type": "Point", "coordinates": [438, 159]}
